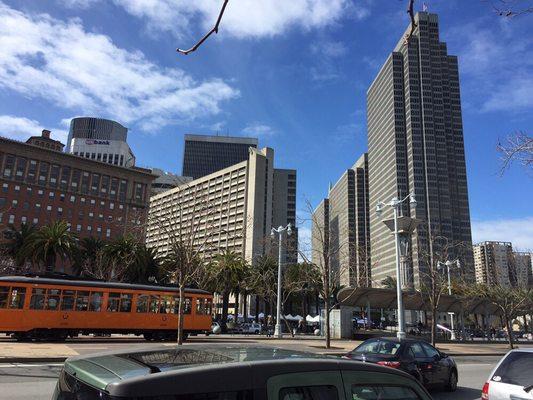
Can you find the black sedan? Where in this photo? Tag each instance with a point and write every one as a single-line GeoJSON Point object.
{"type": "Point", "coordinates": [418, 358]}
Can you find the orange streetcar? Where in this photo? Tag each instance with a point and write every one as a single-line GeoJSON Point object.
{"type": "Point", "coordinates": [53, 309]}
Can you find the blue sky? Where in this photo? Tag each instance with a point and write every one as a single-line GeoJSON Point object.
{"type": "Point", "coordinates": [293, 73]}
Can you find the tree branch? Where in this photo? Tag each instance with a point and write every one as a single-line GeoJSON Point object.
{"type": "Point", "coordinates": [214, 30]}
{"type": "Point", "coordinates": [410, 11]}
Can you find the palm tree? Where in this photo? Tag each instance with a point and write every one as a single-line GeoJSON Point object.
{"type": "Point", "coordinates": [389, 282]}
{"type": "Point", "coordinates": [50, 242]}
{"type": "Point", "coordinates": [145, 266]}
{"type": "Point", "coordinates": [119, 255]}
{"type": "Point", "coordinates": [88, 256]}
{"type": "Point", "coordinates": [17, 238]}
{"type": "Point", "coordinates": [229, 270]}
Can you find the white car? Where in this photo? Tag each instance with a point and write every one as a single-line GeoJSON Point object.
{"type": "Point", "coordinates": [512, 379]}
{"type": "Point", "coordinates": [250, 328]}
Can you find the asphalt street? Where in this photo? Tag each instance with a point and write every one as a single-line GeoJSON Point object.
{"type": "Point", "coordinates": [36, 381]}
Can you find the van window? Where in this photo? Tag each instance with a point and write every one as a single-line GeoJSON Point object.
{"type": "Point", "coordinates": [18, 294]}
{"type": "Point", "coordinates": [382, 392]}
{"type": "Point", "coordinates": [325, 392]}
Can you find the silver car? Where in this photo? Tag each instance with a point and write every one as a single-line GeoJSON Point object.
{"type": "Point", "coordinates": [512, 379]}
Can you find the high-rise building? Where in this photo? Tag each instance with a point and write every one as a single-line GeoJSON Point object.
{"type": "Point", "coordinates": [415, 144]}
{"type": "Point", "coordinates": [166, 180]}
{"type": "Point", "coordinates": [41, 185]}
{"type": "Point", "coordinates": [496, 264]}
{"type": "Point", "coordinates": [284, 208]}
{"type": "Point", "coordinates": [320, 234]}
{"type": "Point", "coordinates": [342, 220]}
{"type": "Point", "coordinates": [203, 155]}
{"type": "Point", "coordinates": [231, 209]}
{"type": "Point", "coordinates": [101, 140]}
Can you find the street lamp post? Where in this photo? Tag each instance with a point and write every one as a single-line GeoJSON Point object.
{"type": "Point", "coordinates": [279, 231]}
{"type": "Point", "coordinates": [395, 203]}
{"type": "Point", "coordinates": [451, 314]}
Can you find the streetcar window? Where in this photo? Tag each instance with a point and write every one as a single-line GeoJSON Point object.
{"type": "Point", "coordinates": [208, 307]}
{"type": "Point", "coordinates": [96, 301]}
{"type": "Point", "coordinates": [67, 301]}
{"type": "Point", "coordinates": [52, 301]}
{"type": "Point", "coordinates": [187, 305]}
{"type": "Point", "coordinates": [200, 306]}
{"type": "Point", "coordinates": [142, 303]}
{"type": "Point", "coordinates": [4, 294]}
{"type": "Point", "coordinates": [166, 305]}
{"type": "Point", "coordinates": [37, 299]}
{"type": "Point", "coordinates": [82, 301]}
{"type": "Point", "coordinates": [113, 303]}
{"type": "Point", "coordinates": [154, 304]}
{"type": "Point", "coordinates": [18, 294]}
{"type": "Point", "coordinates": [125, 302]}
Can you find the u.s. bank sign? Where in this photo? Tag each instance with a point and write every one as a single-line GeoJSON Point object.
{"type": "Point", "coordinates": [94, 141]}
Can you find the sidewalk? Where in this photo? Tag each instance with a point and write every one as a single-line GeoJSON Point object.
{"type": "Point", "coordinates": [11, 351]}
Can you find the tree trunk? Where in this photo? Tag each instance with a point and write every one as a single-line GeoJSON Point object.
{"type": "Point", "coordinates": [256, 308]}
{"type": "Point", "coordinates": [245, 305]}
{"type": "Point", "coordinates": [433, 326]}
{"type": "Point", "coordinates": [180, 315]}
{"type": "Point", "coordinates": [525, 323]}
{"type": "Point", "coordinates": [236, 308]}
{"type": "Point", "coordinates": [327, 332]}
{"type": "Point", "coordinates": [509, 331]}
{"type": "Point", "coordinates": [225, 304]}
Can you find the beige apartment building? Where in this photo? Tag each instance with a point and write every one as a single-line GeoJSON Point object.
{"type": "Point", "coordinates": [231, 209]}
{"type": "Point", "coordinates": [496, 264]}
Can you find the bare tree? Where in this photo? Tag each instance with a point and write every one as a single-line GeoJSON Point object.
{"type": "Point", "coordinates": [512, 8]}
{"type": "Point", "coordinates": [213, 30]}
{"type": "Point", "coordinates": [516, 147]}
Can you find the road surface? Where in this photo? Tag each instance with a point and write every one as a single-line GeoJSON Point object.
{"type": "Point", "coordinates": [36, 381]}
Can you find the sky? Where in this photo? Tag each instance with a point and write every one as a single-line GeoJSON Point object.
{"type": "Point", "coordinates": [292, 73]}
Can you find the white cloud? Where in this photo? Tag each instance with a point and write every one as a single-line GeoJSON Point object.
{"type": "Point", "coordinates": [258, 130]}
{"type": "Point", "coordinates": [328, 48]}
{"type": "Point", "coordinates": [60, 62]}
{"type": "Point", "coordinates": [78, 3]}
{"type": "Point", "coordinates": [20, 128]}
{"type": "Point", "coordinates": [517, 231]}
{"type": "Point", "coordinates": [243, 18]}
{"type": "Point", "coordinates": [496, 63]}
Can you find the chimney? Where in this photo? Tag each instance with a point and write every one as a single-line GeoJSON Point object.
{"type": "Point", "coordinates": [46, 133]}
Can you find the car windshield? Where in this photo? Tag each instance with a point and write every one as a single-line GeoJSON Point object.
{"type": "Point", "coordinates": [515, 369]}
{"type": "Point", "coordinates": [378, 347]}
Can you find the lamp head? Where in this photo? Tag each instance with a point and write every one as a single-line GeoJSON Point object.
{"type": "Point", "coordinates": [379, 208]}
{"type": "Point", "coordinates": [272, 232]}
{"type": "Point", "coordinates": [412, 199]}
{"type": "Point", "coordinates": [289, 230]}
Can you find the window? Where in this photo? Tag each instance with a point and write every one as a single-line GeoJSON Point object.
{"type": "Point", "coordinates": [68, 300]}
{"type": "Point", "coordinates": [142, 303]}
{"type": "Point", "coordinates": [383, 392]}
{"type": "Point", "coordinates": [325, 392]}
{"type": "Point", "coordinates": [37, 299]}
{"type": "Point", "coordinates": [82, 301]}
{"type": "Point", "coordinates": [4, 294]}
{"type": "Point", "coordinates": [187, 305]}
{"type": "Point", "coordinates": [95, 303]}
{"type": "Point", "coordinates": [417, 351]}
{"type": "Point", "coordinates": [203, 306]}
{"type": "Point", "coordinates": [119, 302]}
{"type": "Point", "coordinates": [53, 298]}
{"type": "Point", "coordinates": [16, 301]}
{"type": "Point", "coordinates": [515, 369]}
{"type": "Point", "coordinates": [154, 304]}
{"type": "Point", "coordinates": [378, 347]}
{"type": "Point", "coordinates": [430, 350]}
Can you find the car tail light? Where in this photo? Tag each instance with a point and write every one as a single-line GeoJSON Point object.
{"type": "Point", "coordinates": [485, 392]}
{"type": "Point", "coordinates": [392, 364]}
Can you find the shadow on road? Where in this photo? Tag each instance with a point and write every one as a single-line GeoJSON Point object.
{"type": "Point", "coordinates": [462, 393]}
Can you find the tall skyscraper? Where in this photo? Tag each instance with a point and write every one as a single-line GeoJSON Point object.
{"type": "Point", "coordinates": [415, 144]}
{"type": "Point", "coordinates": [204, 154]}
{"type": "Point", "coordinates": [340, 222]}
{"type": "Point", "coordinates": [101, 140]}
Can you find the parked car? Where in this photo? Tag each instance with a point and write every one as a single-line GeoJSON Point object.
{"type": "Point", "coordinates": [229, 372]}
{"type": "Point", "coordinates": [421, 360]}
{"type": "Point", "coordinates": [253, 327]}
{"type": "Point", "coordinates": [512, 378]}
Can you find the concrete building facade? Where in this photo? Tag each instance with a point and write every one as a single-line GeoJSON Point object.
{"type": "Point", "coordinates": [496, 264]}
{"type": "Point", "coordinates": [231, 209]}
{"type": "Point", "coordinates": [166, 180]}
{"type": "Point", "coordinates": [415, 144]}
{"type": "Point", "coordinates": [203, 154]}
{"type": "Point", "coordinates": [101, 140]}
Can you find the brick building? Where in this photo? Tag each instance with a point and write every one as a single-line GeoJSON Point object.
{"type": "Point", "coordinates": [39, 184]}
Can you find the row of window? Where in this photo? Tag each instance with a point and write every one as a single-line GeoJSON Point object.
{"type": "Point", "coordinates": [116, 159]}
{"type": "Point", "coordinates": [85, 300]}
{"type": "Point", "coordinates": [68, 178]}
